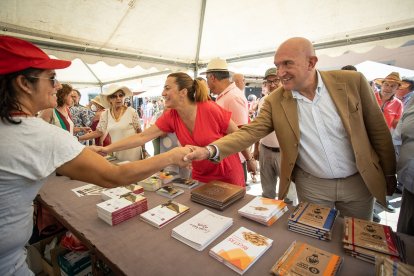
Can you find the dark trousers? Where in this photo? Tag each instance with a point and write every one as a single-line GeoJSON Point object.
{"type": "Point", "coordinates": [406, 218]}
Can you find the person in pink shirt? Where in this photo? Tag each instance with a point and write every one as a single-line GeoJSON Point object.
{"type": "Point", "coordinates": [196, 120]}
{"type": "Point", "coordinates": [391, 107]}
{"type": "Point", "coordinates": [231, 98]}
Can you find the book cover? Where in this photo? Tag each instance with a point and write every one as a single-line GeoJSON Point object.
{"type": "Point", "coordinates": [304, 259]}
{"type": "Point", "coordinates": [370, 235]}
{"type": "Point", "coordinates": [241, 250]}
{"type": "Point", "coordinates": [262, 208]}
{"type": "Point", "coordinates": [167, 176]}
{"type": "Point", "coordinates": [164, 213]}
{"type": "Point", "coordinates": [314, 215]}
{"type": "Point", "coordinates": [187, 183]}
{"type": "Point", "coordinates": [217, 191]}
{"type": "Point", "coordinates": [114, 193]}
{"type": "Point", "coordinates": [169, 191]}
{"type": "Point", "coordinates": [203, 228]}
{"type": "Point", "coordinates": [151, 183]}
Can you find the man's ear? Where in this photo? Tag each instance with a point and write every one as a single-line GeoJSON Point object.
{"type": "Point", "coordinates": [23, 84]}
{"type": "Point", "coordinates": [312, 62]}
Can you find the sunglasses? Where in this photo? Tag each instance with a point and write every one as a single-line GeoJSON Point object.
{"type": "Point", "coordinates": [114, 96]}
{"type": "Point", "coordinates": [53, 80]}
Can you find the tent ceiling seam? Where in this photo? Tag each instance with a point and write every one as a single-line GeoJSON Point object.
{"type": "Point", "coordinates": [200, 35]}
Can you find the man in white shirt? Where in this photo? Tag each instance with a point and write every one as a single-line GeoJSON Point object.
{"type": "Point", "coordinates": [333, 138]}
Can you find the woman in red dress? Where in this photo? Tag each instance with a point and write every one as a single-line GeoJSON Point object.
{"type": "Point", "coordinates": [196, 120]}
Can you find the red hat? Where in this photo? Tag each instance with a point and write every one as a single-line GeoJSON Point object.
{"type": "Point", "coordinates": [17, 54]}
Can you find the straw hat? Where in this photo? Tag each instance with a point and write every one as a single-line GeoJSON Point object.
{"type": "Point", "coordinates": [393, 77]}
{"type": "Point", "coordinates": [114, 87]}
{"type": "Point", "coordinates": [217, 65]}
{"type": "Point", "coordinates": [99, 101]}
{"type": "Point", "coordinates": [111, 90]}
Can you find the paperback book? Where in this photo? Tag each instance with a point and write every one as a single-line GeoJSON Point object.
{"type": "Point", "coordinates": [186, 183]}
{"type": "Point", "coordinates": [167, 176]}
{"type": "Point", "coordinates": [169, 191]}
{"type": "Point", "coordinates": [202, 229]}
{"type": "Point", "coordinates": [241, 250]}
{"type": "Point", "coordinates": [151, 183]}
{"type": "Point", "coordinates": [304, 259]}
{"type": "Point", "coordinates": [313, 220]}
{"type": "Point", "coordinates": [367, 239]}
{"type": "Point", "coordinates": [117, 210]}
{"type": "Point", "coordinates": [385, 267]}
{"type": "Point", "coordinates": [165, 213]}
{"type": "Point", "coordinates": [217, 194]}
{"type": "Point", "coordinates": [264, 210]}
{"type": "Point", "coordinates": [120, 191]}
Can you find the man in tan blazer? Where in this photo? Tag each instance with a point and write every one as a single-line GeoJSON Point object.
{"type": "Point", "coordinates": [334, 141]}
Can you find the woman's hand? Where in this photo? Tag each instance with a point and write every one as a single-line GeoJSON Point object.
{"type": "Point", "coordinates": [252, 166]}
{"type": "Point", "coordinates": [98, 149]}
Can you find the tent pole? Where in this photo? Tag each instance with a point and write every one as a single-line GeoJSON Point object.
{"type": "Point", "coordinates": [200, 35]}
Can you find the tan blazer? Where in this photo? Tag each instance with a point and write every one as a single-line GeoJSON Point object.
{"type": "Point", "coordinates": [360, 114]}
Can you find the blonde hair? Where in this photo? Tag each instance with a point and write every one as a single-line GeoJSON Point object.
{"type": "Point", "coordinates": [197, 90]}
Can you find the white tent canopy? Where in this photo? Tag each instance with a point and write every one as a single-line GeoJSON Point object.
{"type": "Point", "coordinates": [153, 37]}
{"type": "Point", "coordinates": [374, 70]}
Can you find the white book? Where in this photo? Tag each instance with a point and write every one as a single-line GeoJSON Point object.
{"type": "Point", "coordinates": [167, 176]}
{"type": "Point", "coordinates": [163, 214]}
{"type": "Point", "coordinates": [241, 250]}
{"type": "Point", "coordinates": [169, 191]}
{"type": "Point", "coordinates": [120, 191]}
{"type": "Point", "coordinates": [202, 229]}
{"type": "Point", "coordinates": [263, 209]}
{"type": "Point", "coordinates": [114, 193]}
{"type": "Point", "coordinates": [151, 183]}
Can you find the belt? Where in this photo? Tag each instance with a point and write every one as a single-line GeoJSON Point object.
{"type": "Point", "coordinates": [271, 148]}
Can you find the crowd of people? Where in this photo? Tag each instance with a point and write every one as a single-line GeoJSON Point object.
{"type": "Point", "coordinates": [325, 137]}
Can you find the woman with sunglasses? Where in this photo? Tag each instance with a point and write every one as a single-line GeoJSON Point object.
{"type": "Point", "coordinates": [31, 149]}
{"type": "Point", "coordinates": [119, 121]}
{"type": "Point", "coordinates": [196, 120]}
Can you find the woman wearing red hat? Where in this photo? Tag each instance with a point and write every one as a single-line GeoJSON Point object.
{"type": "Point", "coordinates": [32, 149]}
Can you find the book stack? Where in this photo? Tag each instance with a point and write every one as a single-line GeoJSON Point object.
{"type": "Point", "coordinates": [163, 214]}
{"type": "Point", "coordinates": [166, 176]}
{"type": "Point", "coordinates": [169, 191]}
{"type": "Point", "coordinates": [186, 183]}
{"type": "Point", "coordinates": [117, 210]}
{"type": "Point", "coordinates": [264, 210]}
{"type": "Point", "coordinates": [217, 194]}
{"type": "Point", "coordinates": [367, 240]}
{"type": "Point", "coordinates": [386, 266]}
{"type": "Point", "coordinates": [151, 183]}
{"type": "Point", "coordinates": [120, 191]}
{"type": "Point", "coordinates": [202, 229]}
{"type": "Point", "coordinates": [313, 220]}
{"type": "Point", "coordinates": [304, 259]}
{"type": "Point", "coordinates": [241, 250]}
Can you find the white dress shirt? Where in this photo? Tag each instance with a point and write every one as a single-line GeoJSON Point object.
{"type": "Point", "coordinates": [325, 150]}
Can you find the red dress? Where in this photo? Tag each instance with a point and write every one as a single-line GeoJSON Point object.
{"type": "Point", "coordinates": [211, 124]}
